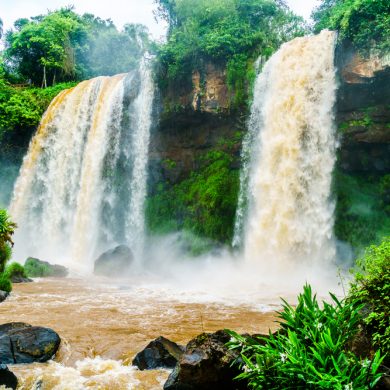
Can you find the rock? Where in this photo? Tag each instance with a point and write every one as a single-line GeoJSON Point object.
{"type": "Point", "coordinates": [362, 110]}
{"type": "Point", "coordinates": [20, 279]}
{"type": "Point", "coordinates": [159, 353]}
{"type": "Point", "coordinates": [37, 268]}
{"type": "Point", "coordinates": [23, 343]}
{"type": "Point", "coordinates": [114, 262]}
{"type": "Point", "coordinates": [6, 355]}
{"type": "Point", "coordinates": [3, 296]}
{"type": "Point", "coordinates": [7, 378]}
{"type": "Point", "coordinates": [384, 382]}
{"type": "Point", "coordinates": [206, 365]}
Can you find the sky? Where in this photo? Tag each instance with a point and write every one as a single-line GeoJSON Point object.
{"type": "Point", "coordinates": [120, 11]}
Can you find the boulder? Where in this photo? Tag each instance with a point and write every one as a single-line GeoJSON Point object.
{"type": "Point", "coordinates": [207, 364]}
{"type": "Point", "coordinates": [20, 279]}
{"type": "Point", "coordinates": [23, 343]}
{"type": "Point", "coordinates": [384, 382]}
{"type": "Point", "coordinates": [159, 353]}
{"type": "Point", "coordinates": [114, 262]}
{"type": "Point", "coordinates": [3, 296]}
{"type": "Point", "coordinates": [7, 377]}
{"type": "Point", "coordinates": [37, 268]}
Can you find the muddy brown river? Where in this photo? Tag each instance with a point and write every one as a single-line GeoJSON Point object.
{"type": "Point", "coordinates": [103, 324]}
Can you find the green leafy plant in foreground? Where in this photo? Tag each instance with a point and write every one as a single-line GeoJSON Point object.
{"type": "Point", "coordinates": [372, 288]}
{"type": "Point", "coordinates": [309, 351]}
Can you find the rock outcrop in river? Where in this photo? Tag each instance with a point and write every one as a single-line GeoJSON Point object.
{"type": "Point", "coordinates": [23, 343]}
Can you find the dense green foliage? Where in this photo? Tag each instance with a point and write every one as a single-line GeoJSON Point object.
{"type": "Point", "coordinates": [7, 229]}
{"type": "Point", "coordinates": [230, 32]}
{"type": "Point", "coordinates": [15, 269]}
{"type": "Point", "coordinates": [204, 204]}
{"type": "Point", "coordinates": [361, 21]}
{"type": "Point", "coordinates": [23, 107]}
{"type": "Point", "coordinates": [5, 283]}
{"type": "Point", "coordinates": [361, 204]}
{"type": "Point", "coordinates": [37, 269]}
{"type": "Point", "coordinates": [64, 46]}
{"type": "Point", "coordinates": [372, 288]}
{"type": "Point", "coordinates": [310, 350]}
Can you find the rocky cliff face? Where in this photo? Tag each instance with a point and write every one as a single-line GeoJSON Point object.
{"type": "Point", "coordinates": [363, 111]}
{"type": "Point", "coordinates": [194, 119]}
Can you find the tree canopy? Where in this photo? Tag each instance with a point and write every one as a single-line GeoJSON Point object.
{"type": "Point", "coordinates": [64, 46]}
{"type": "Point", "coordinates": [226, 31]}
{"type": "Point", "coordinates": [365, 22]}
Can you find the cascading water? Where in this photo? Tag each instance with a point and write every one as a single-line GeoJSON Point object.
{"type": "Point", "coordinates": [292, 145]}
{"type": "Point", "coordinates": [82, 185]}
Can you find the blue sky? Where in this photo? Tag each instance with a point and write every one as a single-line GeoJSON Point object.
{"type": "Point", "coordinates": [120, 11]}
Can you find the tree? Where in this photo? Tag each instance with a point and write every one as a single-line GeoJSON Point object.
{"type": "Point", "coordinates": [45, 46]}
{"type": "Point", "coordinates": [226, 31]}
{"type": "Point", "coordinates": [365, 22]}
{"type": "Point", "coordinates": [1, 28]}
{"type": "Point", "coordinates": [64, 46]}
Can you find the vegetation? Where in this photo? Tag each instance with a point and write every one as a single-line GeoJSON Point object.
{"type": "Point", "coordinates": [371, 287]}
{"type": "Point", "coordinates": [15, 269]}
{"type": "Point", "coordinates": [364, 22]}
{"type": "Point", "coordinates": [36, 269]}
{"type": "Point", "coordinates": [310, 351]}
{"type": "Point", "coordinates": [7, 229]}
{"type": "Point", "coordinates": [232, 33]}
{"type": "Point", "coordinates": [22, 107]}
{"type": "Point", "coordinates": [5, 283]}
{"type": "Point", "coordinates": [361, 209]}
{"type": "Point", "coordinates": [64, 46]}
{"type": "Point", "coordinates": [204, 204]}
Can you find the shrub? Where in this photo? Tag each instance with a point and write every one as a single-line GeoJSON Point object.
{"type": "Point", "coordinates": [35, 268]}
{"type": "Point", "coordinates": [372, 288]}
{"type": "Point", "coordinates": [5, 283]}
{"type": "Point", "coordinates": [15, 269]}
{"type": "Point", "coordinates": [309, 352]}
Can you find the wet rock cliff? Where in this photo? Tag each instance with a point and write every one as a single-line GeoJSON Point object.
{"type": "Point", "coordinates": [363, 110]}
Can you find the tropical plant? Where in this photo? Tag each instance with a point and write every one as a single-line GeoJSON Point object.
{"type": "Point", "coordinates": [309, 351]}
{"type": "Point", "coordinates": [371, 288]}
{"type": "Point", "coordinates": [7, 229]}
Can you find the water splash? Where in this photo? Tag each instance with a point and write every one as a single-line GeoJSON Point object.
{"type": "Point", "coordinates": [292, 144]}
{"type": "Point", "coordinates": [82, 185]}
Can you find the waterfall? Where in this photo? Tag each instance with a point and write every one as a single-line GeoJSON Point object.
{"type": "Point", "coordinates": [82, 185]}
{"type": "Point", "coordinates": [289, 155]}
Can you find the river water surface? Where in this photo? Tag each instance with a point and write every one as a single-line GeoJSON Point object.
{"type": "Point", "coordinates": [103, 324]}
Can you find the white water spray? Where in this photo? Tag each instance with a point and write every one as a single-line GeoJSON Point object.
{"type": "Point", "coordinates": [292, 145]}
{"type": "Point", "coordinates": [82, 185]}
